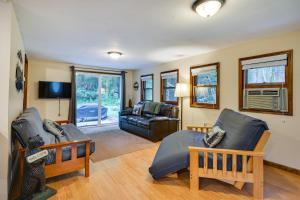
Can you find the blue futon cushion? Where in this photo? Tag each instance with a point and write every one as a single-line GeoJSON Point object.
{"type": "Point", "coordinates": [242, 133]}
{"type": "Point", "coordinates": [173, 152]}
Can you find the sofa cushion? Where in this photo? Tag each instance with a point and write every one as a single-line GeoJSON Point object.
{"type": "Point", "coordinates": [151, 107]}
{"type": "Point", "coordinates": [29, 124]}
{"type": "Point", "coordinates": [124, 117]}
{"type": "Point", "coordinates": [35, 113]}
{"type": "Point", "coordinates": [139, 121]}
{"type": "Point", "coordinates": [165, 110]}
{"type": "Point", "coordinates": [242, 131]}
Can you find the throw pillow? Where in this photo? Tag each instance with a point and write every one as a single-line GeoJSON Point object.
{"type": "Point", "coordinates": [214, 136]}
{"type": "Point", "coordinates": [53, 128]}
{"type": "Point", "coordinates": [137, 109]}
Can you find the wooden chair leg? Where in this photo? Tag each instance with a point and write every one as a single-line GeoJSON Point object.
{"type": "Point", "coordinates": [194, 171]}
{"type": "Point", "coordinates": [239, 185]}
{"type": "Point", "coordinates": [258, 181]}
{"type": "Point", "coordinates": [87, 160]}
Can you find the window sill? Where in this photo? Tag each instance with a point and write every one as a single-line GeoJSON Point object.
{"type": "Point", "coordinates": [289, 113]}
{"type": "Point", "coordinates": [208, 106]}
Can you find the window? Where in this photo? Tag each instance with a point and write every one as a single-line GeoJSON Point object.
{"type": "Point", "coordinates": [168, 80]}
{"type": "Point", "coordinates": [147, 87]}
{"type": "Point", "coordinates": [266, 83]}
{"type": "Point", "coordinates": [205, 86]}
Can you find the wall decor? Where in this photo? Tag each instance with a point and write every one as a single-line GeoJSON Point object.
{"type": "Point", "coordinates": [136, 85]}
{"type": "Point", "coordinates": [19, 72]}
{"type": "Point", "coordinates": [20, 57]}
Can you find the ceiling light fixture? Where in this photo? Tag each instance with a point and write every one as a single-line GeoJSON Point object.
{"type": "Point", "coordinates": [207, 8]}
{"type": "Point", "coordinates": [114, 54]}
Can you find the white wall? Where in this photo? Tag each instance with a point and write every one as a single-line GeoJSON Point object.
{"type": "Point", "coordinates": [10, 101]}
{"type": "Point", "coordinates": [284, 143]}
{"type": "Point", "coordinates": [41, 70]}
{"type": "Point", "coordinates": [4, 80]}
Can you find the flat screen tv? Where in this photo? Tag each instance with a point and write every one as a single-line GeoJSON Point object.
{"type": "Point", "coordinates": [49, 90]}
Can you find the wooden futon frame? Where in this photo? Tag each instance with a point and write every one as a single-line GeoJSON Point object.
{"type": "Point", "coordinates": [59, 167]}
{"type": "Point", "coordinates": [252, 165]}
{"type": "Point", "coordinates": [63, 167]}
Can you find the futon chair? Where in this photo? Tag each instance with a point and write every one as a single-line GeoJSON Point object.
{"type": "Point", "coordinates": [238, 158]}
{"type": "Point", "coordinates": [68, 153]}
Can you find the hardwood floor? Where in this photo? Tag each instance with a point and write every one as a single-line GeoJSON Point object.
{"type": "Point", "coordinates": [127, 177]}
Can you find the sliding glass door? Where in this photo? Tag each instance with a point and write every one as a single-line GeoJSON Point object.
{"type": "Point", "coordinates": [110, 100]}
{"type": "Point", "coordinates": [98, 98]}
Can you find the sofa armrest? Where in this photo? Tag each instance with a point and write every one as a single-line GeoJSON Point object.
{"type": "Point", "coordinates": [174, 119]}
{"type": "Point", "coordinates": [127, 111]}
{"type": "Point", "coordinates": [156, 119]}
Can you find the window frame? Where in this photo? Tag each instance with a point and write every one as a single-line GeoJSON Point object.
{"type": "Point", "coordinates": [192, 85]}
{"type": "Point", "coordinates": [143, 88]}
{"type": "Point", "coordinates": [288, 83]}
{"type": "Point", "coordinates": [162, 88]}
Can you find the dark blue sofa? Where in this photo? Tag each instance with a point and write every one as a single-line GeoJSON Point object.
{"type": "Point", "coordinates": [150, 125]}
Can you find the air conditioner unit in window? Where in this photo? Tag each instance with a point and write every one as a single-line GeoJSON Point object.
{"type": "Point", "coordinates": [275, 99]}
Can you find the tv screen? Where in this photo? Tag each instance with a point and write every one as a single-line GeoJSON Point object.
{"type": "Point", "coordinates": [48, 90]}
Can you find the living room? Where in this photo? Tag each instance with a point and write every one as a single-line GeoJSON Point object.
{"type": "Point", "coordinates": [150, 97]}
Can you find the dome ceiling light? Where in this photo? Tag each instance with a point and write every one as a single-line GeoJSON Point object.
{"type": "Point", "coordinates": [207, 8]}
{"type": "Point", "coordinates": [114, 54]}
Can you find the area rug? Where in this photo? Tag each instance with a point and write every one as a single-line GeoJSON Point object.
{"type": "Point", "coordinates": [114, 142]}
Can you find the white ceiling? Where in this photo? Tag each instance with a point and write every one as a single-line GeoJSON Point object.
{"type": "Point", "coordinates": [148, 32]}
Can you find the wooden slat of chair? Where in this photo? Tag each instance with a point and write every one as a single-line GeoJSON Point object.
{"type": "Point", "coordinates": [234, 165]}
{"type": "Point", "coordinates": [224, 164]}
{"type": "Point", "coordinates": [58, 156]}
{"type": "Point", "coordinates": [244, 163]}
{"type": "Point", "coordinates": [205, 162]}
{"type": "Point", "coordinates": [215, 163]}
{"type": "Point", "coordinates": [87, 159]}
{"type": "Point", "coordinates": [74, 152]}
{"type": "Point", "coordinates": [203, 129]}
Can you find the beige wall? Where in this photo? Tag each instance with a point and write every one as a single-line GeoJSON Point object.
{"type": "Point", "coordinates": [284, 143]}
{"type": "Point", "coordinates": [11, 101]}
{"type": "Point", "coordinates": [41, 70]}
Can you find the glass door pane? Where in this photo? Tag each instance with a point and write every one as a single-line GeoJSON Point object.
{"type": "Point", "coordinates": [110, 98]}
{"type": "Point", "coordinates": [87, 99]}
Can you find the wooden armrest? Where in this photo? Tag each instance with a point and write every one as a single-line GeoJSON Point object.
{"type": "Point", "coordinates": [63, 144]}
{"type": "Point", "coordinates": [203, 129]}
{"type": "Point", "coordinates": [60, 122]}
{"type": "Point", "coordinates": [226, 151]}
